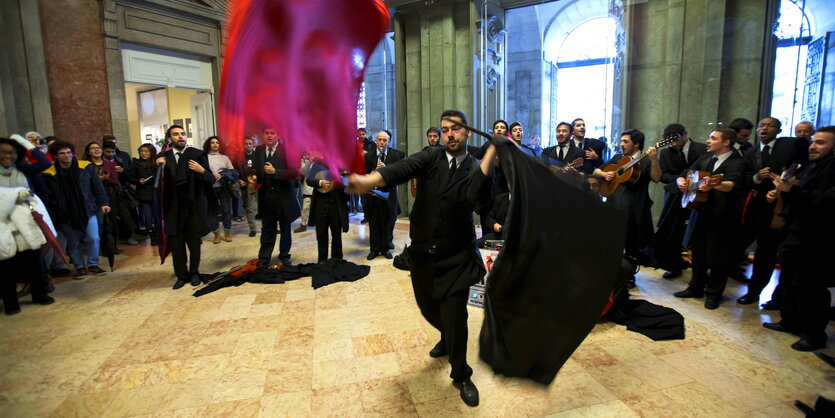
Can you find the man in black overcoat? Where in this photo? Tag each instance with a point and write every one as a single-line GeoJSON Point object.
{"type": "Point", "coordinates": [381, 214]}
{"type": "Point", "coordinates": [328, 211]}
{"type": "Point", "coordinates": [187, 177]}
{"type": "Point", "coordinates": [592, 150]}
{"type": "Point", "coordinates": [713, 225]}
{"type": "Point", "coordinates": [445, 262]}
{"type": "Point", "coordinates": [278, 201]}
{"type": "Point", "coordinates": [674, 160]}
{"type": "Point", "coordinates": [808, 245]}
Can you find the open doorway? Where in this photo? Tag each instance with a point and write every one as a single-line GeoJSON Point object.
{"type": "Point", "coordinates": [153, 109]}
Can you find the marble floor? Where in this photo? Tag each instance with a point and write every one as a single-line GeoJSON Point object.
{"type": "Point", "coordinates": [126, 344]}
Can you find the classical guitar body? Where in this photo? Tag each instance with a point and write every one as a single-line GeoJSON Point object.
{"type": "Point", "coordinates": [777, 221]}
{"type": "Point", "coordinates": [624, 175]}
{"type": "Point", "coordinates": [693, 197]}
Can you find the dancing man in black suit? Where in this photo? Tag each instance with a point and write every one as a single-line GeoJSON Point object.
{"type": "Point", "coordinates": [187, 177]}
{"type": "Point", "coordinates": [674, 161]}
{"type": "Point", "coordinates": [381, 214]}
{"type": "Point", "coordinates": [328, 211]}
{"type": "Point", "coordinates": [564, 151]}
{"type": "Point", "coordinates": [445, 262]}
{"type": "Point", "coordinates": [277, 198]}
{"type": "Point", "coordinates": [592, 149]}
{"type": "Point", "coordinates": [713, 225]}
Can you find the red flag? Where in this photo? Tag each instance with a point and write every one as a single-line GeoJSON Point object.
{"type": "Point", "coordinates": [297, 67]}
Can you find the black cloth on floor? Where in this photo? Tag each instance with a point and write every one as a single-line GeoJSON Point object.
{"type": "Point", "coordinates": [329, 272]}
{"type": "Point", "coordinates": [655, 321]}
{"type": "Point", "coordinates": [543, 297]}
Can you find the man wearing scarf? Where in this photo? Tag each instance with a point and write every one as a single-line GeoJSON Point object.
{"type": "Point", "coordinates": [76, 196]}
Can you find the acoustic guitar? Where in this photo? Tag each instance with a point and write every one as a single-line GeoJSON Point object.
{"type": "Point", "coordinates": [692, 198]}
{"type": "Point", "coordinates": [788, 175]}
{"type": "Point", "coordinates": [627, 169]}
{"type": "Point", "coordinates": [573, 164]}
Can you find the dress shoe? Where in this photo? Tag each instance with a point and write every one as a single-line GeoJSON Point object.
{"type": "Point", "coordinates": [688, 293]}
{"type": "Point", "coordinates": [12, 311]}
{"type": "Point", "coordinates": [180, 283]}
{"type": "Point", "coordinates": [285, 261]}
{"type": "Point", "coordinates": [771, 306]}
{"type": "Point", "coordinates": [388, 255]}
{"type": "Point", "coordinates": [712, 302]}
{"type": "Point", "coordinates": [25, 290]}
{"type": "Point", "coordinates": [777, 326]}
{"type": "Point", "coordinates": [301, 228]}
{"type": "Point", "coordinates": [747, 299]}
{"type": "Point", "coordinates": [826, 357]}
{"type": "Point", "coordinates": [195, 280]}
{"type": "Point", "coordinates": [671, 274]}
{"type": "Point", "coordinates": [43, 300]}
{"type": "Point", "coordinates": [216, 240]}
{"type": "Point", "coordinates": [251, 234]}
{"type": "Point", "coordinates": [803, 345]}
{"type": "Point", "coordinates": [372, 255]}
{"type": "Point", "coordinates": [439, 350]}
{"type": "Point", "coordinates": [227, 236]}
{"type": "Point", "coordinates": [469, 393]}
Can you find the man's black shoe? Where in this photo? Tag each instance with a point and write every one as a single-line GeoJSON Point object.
{"type": "Point", "coordinates": [804, 345]}
{"type": "Point", "coordinates": [771, 306]}
{"type": "Point", "coordinates": [388, 255]}
{"type": "Point", "coordinates": [712, 302]}
{"type": "Point", "coordinates": [776, 326]}
{"type": "Point", "coordinates": [364, 221]}
{"type": "Point", "coordinates": [251, 233]}
{"type": "Point", "coordinates": [469, 393]}
{"type": "Point", "coordinates": [285, 261]}
{"type": "Point", "coordinates": [372, 255]}
{"type": "Point", "coordinates": [688, 293]}
{"type": "Point", "coordinates": [747, 299]}
{"type": "Point", "coordinates": [671, 274]}
{"type": "Point", "coordinates": [43, 300]}
{"type": "Point", "coordinates": [195, 280]}
{"type": "Point", "coordinates": [439, 350]}
{"type": "Point", "coordinates": [180, 283]}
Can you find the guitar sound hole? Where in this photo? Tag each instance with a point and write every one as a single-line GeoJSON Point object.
{"type": "Point", "coordinates": [620, 171]}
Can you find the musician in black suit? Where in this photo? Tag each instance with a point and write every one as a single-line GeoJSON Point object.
{"type": "Point", "coordinates": [674, 161]}
{"type": "Point", "coordinates": [808, 244]}
{"type": "Point", "coordinates": [328, 211]}
{"type": "Point", "coordinates": [445, 262]}
{"type": "Point", "coordinates": [187, 178]}
{"type": "Point", "coordinates": [564, 151]}
{"type": "Point", "coordinates": [743, 128]}
{"type": "Point", "coordinates": [381, 214]}
{"type": "Point", "coordinates": [712, 225]}
{"type": "Point", "coordinates": [277, 198]}
{"type": "Point", "coordinates": [770, 157]}
{"type": "Point", "coordinates": [634, 198]}
{"type": "Point", "coordinates": [592, 149]}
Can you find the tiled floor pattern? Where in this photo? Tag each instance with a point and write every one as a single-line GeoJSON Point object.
{"type": "Point", "coordinates": [127, 345]}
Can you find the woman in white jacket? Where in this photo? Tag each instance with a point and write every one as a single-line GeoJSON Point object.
{"type": "Point", "coordinates": [20, 237]}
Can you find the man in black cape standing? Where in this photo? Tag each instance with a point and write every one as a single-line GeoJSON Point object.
{"type": "Point", "coordinates": [186, 176]}
{"type": "Point", "coordinates": [445, 262]}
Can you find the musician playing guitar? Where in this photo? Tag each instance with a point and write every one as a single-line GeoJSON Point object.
{"type": "Point", "coordinates": [713, 225]}
{"type": "Point", "coordinates": [634, 198]}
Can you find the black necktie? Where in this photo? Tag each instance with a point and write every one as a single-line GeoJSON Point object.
{"type": "Point", "coordinates": [453, 167]}
{"type": "Point", "coordinates": [177, 156]}
{"type": "Point", "coordinates": [713, 163]}
{"type": "Point", "coordinates": [766, 154]}
{"type": "Point", "coordinates": [580, 145]}
{"type": "Point", "coordinates": [562, 151]}
{"type": "Point", "coordinates": [269, 153]}
{"type": "Point", "coordinates": [383, 157]}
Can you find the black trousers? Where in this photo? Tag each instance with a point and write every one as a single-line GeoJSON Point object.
{"type": "Point", "coordinates": [25, 265]}
{"type": "Point", "coordinates": [667, 242]}
{"type": "Point", "coordinates": [708, 277]}
{"type": "Point", "coordinates": [768, 241]}
{"type": "Point", "coordinates": [448, 315]}
{"type": "Point", "coordinates": [179, 243]}
{"type": "Point", "coordinates": [380, 224]}
{"type": "Point", "coordinates": [273, 221]}
{"type": "Point", "coordinates": [805, 306]}
{"type": "Point", "coordinates": [328, 219]}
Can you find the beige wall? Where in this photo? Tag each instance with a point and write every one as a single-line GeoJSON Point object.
{"type": "Point", "coordinates": [178, 105]}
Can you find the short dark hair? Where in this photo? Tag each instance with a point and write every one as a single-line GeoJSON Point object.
{"type": "Point", "coordinates": [739, 124]}
{"type": "Point", "coordinates": [727, 134]}
{"type": "Point", "coordinates": [108, 145]}
{"type": "Point", "coordinates": [362, 129]}
{"type": "Point", "coordinates": [570, 127]}
{"type": "Point", "coordinates": [500, 121]}
{"type": "Point", "coordinates": [513, 125]}
{"type": "Point", "coordinates": [779, 124]}
{"type": "Point", "coordinates": [455, 113]}
{"type": "Point", "coordinates": [59, 145]}
{"type": "Point", "coordinates": [435, 129]}
{"type": "Point", "coordinates": [207, 144]}
{"type": "Point", "coordinates": [636, 136]}
{"type": "Point", "coordinates": [168, 132]}
{"type": "Point", "coordinates": [674, 129]}
{"type": "Point", "coordinates": [108, 137]}
{"type": "Point", "coordinates": [574, 122]}
{"type": "Point", "coordinates": [827, 129]}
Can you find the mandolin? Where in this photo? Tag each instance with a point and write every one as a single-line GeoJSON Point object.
{"type": "Point", "coordinates": [628, 170]}
{"type": "Point", "coordinates": [788, 175]}
{"type": "Point", "coordinates": [693, 197]}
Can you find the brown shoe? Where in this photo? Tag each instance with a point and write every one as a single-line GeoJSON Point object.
{"type": "Point", "coordinates": [217, 238]}
{"type": "Point", "coordinates": [80, 273]}
{"type": "Point", "coordinates": [96, 270]}
{"type": "Point", "coordinates": [227, 236]}
{"type": "Point", "coordinates": [301, 228]}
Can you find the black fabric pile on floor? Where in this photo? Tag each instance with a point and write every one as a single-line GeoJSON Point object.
{"type": "Point", "coordinates": [323, 274]}
{"type": "Point", "coordinates": [644, 317]}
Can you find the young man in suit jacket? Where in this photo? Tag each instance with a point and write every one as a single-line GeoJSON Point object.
{"type": "Point", "coordinates": [770, 157]}
{"type": "Point", "coordinates": [713, 225]}
{"type": "Point", "coordinates": [187, 177]}
{"type": "Point", "coordinates": [674, 161]}
{"type": "Point", "coordinates": [445, 262]}
{"type": "Point", "coordinates": [563, 152]}
{"type": "Point", "coordinates": [328, 211]}
{"type": "Point", "coordinates": [277, 198]}
{"type": "Point", "coordinates": [592, 150]}
{"type": "Point", "coordinates": [381, 214]}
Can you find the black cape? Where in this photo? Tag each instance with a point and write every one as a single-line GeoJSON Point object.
{"type": "Point", "coordinates": [552, 279]}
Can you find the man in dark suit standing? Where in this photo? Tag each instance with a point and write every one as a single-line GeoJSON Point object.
{"type": "Point", "coordinates": [674, 161]}
{"type": "Point", "coordinates": [592, 149]}
{"type": "Point", "coordinates": [770, 157]}
{"type": "Point", "coordinates": [743, 128]}
{"type": "Point", "coordinates": [381, 214]}
{"type": "Point", "coordinates": [715, 223]}
{"type": "Point", "coordinates": [186, 176]}
{"type": "Point", "coordinates": [445, 262]}
{"type": "Point", "coordinates": [564, 151]}
{"type": "Point", "coordinates": [277, 198]}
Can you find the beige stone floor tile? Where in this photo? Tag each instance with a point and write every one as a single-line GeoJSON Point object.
{"type": "Point", "coordinates": [382, 394]}
{"type": "Point", "coordinates": [701, 401]}
{"type": "Point", "coordinates": [611, 409]}
{"type": "Point", "coordinates": [656, 405]}
{"type": "Point", "coordinates": [373, 345]}
{"type": "Point", "coordinates": [290, 404]}
{"type": "Point", "coordinates": [85, 405]}
{"type": "Point", "coordinates": [337, 401]}
{"type": "Point", "coordinates": [137, 401]}
{"type": "Point", "coordinates": [30, 407]}
{"type": "Point", "coordinates": [398, 411]}
{"type": "Point", "coordinates": [429, 385]}
{"type": "Point", "coordinates": [292, 380]}
{"type": "Point", "coordinates": [243, 408]}
{"type": "Point", "coordinates": [377, 366]}
{"type": "Point", "coordinates": [187, 395]}
{"type": "Point", "coordinates": [239, 386]}
{"type": "Point", "coordinates": [778, 410]}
